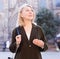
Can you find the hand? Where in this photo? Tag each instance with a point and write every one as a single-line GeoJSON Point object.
{"type": "Point", "coordinates": [18, 39]}
{"type": "Point", "coordinates": [38, 42]}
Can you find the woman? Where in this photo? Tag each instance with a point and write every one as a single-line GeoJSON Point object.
{"type": "Point", "coordinates": [27, 39]}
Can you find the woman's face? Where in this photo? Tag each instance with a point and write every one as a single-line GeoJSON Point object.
{"type": "Point", "coordinates": [27, 13]}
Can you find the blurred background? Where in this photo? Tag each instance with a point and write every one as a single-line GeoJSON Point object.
{"type": "Point", "coordinates": [47, 16]}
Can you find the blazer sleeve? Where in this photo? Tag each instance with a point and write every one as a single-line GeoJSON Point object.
{"type": "Point", "coordinates": [42, 37]}
{"type": "Point", "coordinates": [13, 42]}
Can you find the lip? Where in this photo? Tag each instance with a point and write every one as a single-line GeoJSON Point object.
{"type": "Point", "coordinates": [30, 15]}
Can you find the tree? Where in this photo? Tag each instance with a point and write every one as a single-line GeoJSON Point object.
{"type": "Point", "coordinates": [45, 19]}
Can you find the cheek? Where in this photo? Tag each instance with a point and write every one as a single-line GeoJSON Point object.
{"type": "Point", "coordinates": [33, 16]}
{"type": "Point", "coordinates": [23, 15]}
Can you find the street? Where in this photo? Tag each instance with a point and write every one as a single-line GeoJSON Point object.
{"type": "Point", "coordinates": [45, 55]}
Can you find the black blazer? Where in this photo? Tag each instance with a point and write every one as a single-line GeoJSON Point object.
{"type": "Point", "coordinates": [27, 50]}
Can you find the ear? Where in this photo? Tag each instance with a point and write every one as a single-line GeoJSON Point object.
{"type": "Point", "coordinates": [21, 14]}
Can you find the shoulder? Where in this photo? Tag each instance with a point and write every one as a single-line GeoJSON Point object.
{"type": "Point", "coordinates": [37, 26]}
{"type": "Point", "coordinates": [19, 27]}
{"type": "Point", "coordinates": [16, 29]}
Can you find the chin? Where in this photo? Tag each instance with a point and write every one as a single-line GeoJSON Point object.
{"type": "Point", "coordinates": [30, 18]}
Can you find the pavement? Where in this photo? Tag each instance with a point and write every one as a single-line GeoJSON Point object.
{"type": "Point", "coordinates": [45, 55]}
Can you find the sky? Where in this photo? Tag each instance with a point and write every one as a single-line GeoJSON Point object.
{"type": "Point", "coordinates": [57, 1]}
{"type": "Point", "coordinates": [1, 5]}
{"type": "Point", "coordinates": [43, 3]}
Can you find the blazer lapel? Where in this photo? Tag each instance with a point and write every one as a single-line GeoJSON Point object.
{"type": "Point", "coordinates": [32, 34]}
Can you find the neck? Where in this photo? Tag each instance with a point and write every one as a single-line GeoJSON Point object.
{"type": "Point", "coordinates": [28, 23]}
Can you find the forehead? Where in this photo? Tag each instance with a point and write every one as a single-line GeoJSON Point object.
{"type": "Point", "coordinates": [27, 7]}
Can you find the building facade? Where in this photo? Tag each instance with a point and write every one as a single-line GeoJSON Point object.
{"type": "Point", "coordinates": [8, 16]}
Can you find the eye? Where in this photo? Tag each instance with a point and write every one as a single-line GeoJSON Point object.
{"type": "Point", "coordinates": [32, 10]}
{"type": "Point", "coordinates": [27, 10]}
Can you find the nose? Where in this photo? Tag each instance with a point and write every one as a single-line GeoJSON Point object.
{"type": "Point", "coordinates": [30, 12]}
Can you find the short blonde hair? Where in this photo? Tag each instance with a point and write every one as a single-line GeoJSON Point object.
{"type": "Point", "coordinates": [20, 19]}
